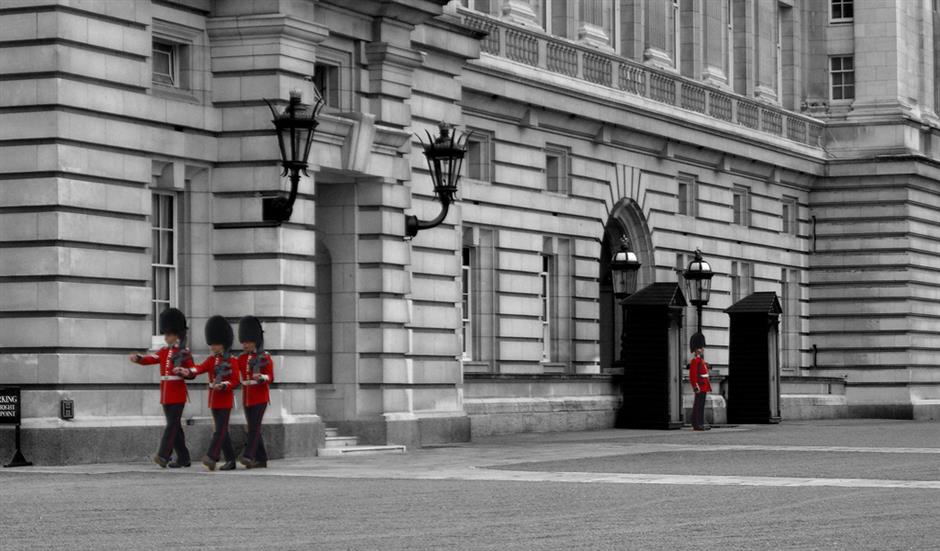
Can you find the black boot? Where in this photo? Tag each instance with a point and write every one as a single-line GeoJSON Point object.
{"type": "Point", "coordinates": [176, 464]}
{"type": "Point", "coordinates": [209, 463]}
{"type": "Point", "coordinates": [229, 466]}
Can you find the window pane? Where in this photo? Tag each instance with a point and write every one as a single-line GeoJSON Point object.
{"type": "Point", "coordinates": [161, 63]}
{"type": "Point", "coordinates": [155, 247]}
{"type": "Point", "coordinates": [551, 169]}
{"type": "Point", "coordinates": [475, 160]}
{"type": "Point", "coordinates": [849, 92]}
{"type": "Point", "coordinates": [161, 284]}
{"type": "Point", "coordinates": [848, 63]}
{"type": "Point", "coordinates": [683, 199]}
{"type": "Point", "coordinates": [155, 211]}
{"type": "Point", "coordinates": [165, 239]}
{"type": "Point", "coordinates": [164, 70]}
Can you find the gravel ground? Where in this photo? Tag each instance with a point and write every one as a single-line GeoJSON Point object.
{"type": "Point", "coordinates": [195, 511]}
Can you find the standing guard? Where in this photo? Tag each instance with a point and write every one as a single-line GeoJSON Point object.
{"type": "Point", "coordinates": [223, 379]}
{"type": "Point", "coordinates": [698, 378]}
{"type": "Point", "coordinates": [174, 360]}
{"type": "Point", "coordinates": [257, 373]}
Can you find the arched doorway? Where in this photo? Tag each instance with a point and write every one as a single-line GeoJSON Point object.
{"type": "Point", "coordinates": [626, 218]}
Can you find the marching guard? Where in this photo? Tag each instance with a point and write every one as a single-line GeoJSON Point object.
{"type": "Point", "coordinates": [223, 379]}
{"type": "Point", "coordinates": [174, 360]}
{"type": "Point", "coordinates": [257, 373]}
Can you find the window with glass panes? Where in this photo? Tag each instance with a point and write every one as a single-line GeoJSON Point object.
{"type": "Point", "coordinates": [556, 169]}
{"type": "Point", "coordinates": [479, 158]}
{"type": "Point", "coordinates": [742, 281]}
{"type": "Point", "coordinates": [686, 194]}
{"type": "Point", "coordinates": [165, 64]}
{"type": "Point", "coordinates": [788, 213]}
{"type": "Point", "coordinates": [466, 313]}
{"type": "Point", "coordinates": [163, 253]}
{"type": "Point", "coordinates": [545, 278]}
{"type": "Point", "coordinates": [740, 205]}
{"type": "Point", "coordinates": [842, 76]}
{"type": "Point", "coordinates": [842, 10]}
{"type": "Point", "coordinates": [326, 79]}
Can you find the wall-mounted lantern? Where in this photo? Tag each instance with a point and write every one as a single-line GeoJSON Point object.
{"type": "Point", "coordinates": [445, 157]}
{"type": "Point", "coordinates": [624, 268]}
{"type": "Point", "coordinates": [294, 127]}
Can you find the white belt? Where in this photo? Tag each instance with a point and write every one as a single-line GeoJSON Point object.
{"type": "Point", "coordinates": [250, 382]}
{"type": "Point", "coordinates": [170, 378]}
{"type": "Point", "coordinates": [704, 376]}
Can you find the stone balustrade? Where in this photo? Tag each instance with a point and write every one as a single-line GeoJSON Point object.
{"type": "Point", "coordinates": [562, 56]}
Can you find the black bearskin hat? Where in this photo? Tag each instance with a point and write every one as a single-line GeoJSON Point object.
{"type": "Point", "coordinates": [172, 321]}
{"type": "Point", "coordinates": [218, 331]}
{"type": "Point", "coordinates": [697, 341]}
{"type": "Point", "coordinates": [249, 329]}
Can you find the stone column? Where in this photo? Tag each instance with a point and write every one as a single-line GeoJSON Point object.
{"type": "Point", "coordinates": [878, 71]}
{"type": "Point", "coordinates": [765, 43]}
{"type": "Point", "coordinates": [595, 24]}
{"type": "Point", "coordinates": [633, 29]}
{"type": "Point", "coordinates": [744, 47]}
{"type": "Point", "coordinates": [523, 12]}
{"type": "Point", "coordinates": [658, 35]}
{"type": "Point", "coordinates": [691, 37]}
{"type": "Point", "coordinates": [713, 43]}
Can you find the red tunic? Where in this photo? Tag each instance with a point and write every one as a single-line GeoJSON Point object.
{"type": "Point", "coordinates": [255, 392]}
{"type": "Point", "coordinates": [219, 399]}
{"type": "Point", "coordinates": [172, 387]}
{"type": "Point", "coordinates": [698, 375]}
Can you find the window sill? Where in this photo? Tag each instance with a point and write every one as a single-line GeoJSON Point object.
{"type": "Point", "coordinates": [173, 93]}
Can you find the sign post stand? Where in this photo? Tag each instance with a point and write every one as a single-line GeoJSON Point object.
{"type": "Point", "coordinates": [10, 415]}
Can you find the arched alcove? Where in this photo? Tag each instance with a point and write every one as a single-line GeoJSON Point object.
{"type": "Point", "coordinates": [626, 218]}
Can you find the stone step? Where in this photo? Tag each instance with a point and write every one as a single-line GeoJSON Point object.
{"type": "Point", "coordinates": [341, 441]}
{"type": "Point", "coordinates": [360, 450]}
{"type": "Point", "coordinates": [331, 431]}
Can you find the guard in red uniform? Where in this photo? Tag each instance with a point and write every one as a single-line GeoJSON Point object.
{"type": "Point", "coordinates": [257, 373]}
{"type": "Point", "coordinates": [223, 379]}
{"type": "Point", "coordinates": [698, 377]}
{"type": "Point", "coordinates": [174, 360]}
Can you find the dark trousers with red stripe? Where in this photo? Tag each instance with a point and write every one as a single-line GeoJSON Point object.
{"type": "Point", "coordinates": [698, 410]}
{"type": "Point", "coordinates": [221, 442]}
{"type": "Point", "coordinates": [173, 437]}
{"type": "Point", "coordinates": [254, 449]}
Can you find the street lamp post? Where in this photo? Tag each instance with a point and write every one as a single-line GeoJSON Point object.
{"type": "Point", "coordinates": [294, 126]}
{"type": "Point", "coordinates": [445, 157]}
{"type": "Point", "coordinates": [624, 269]}
{"type": "Point", "coordinates": [698, 281]}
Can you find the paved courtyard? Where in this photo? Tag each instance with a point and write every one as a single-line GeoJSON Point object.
{"type": "Point", "coordinates": [852, 484]}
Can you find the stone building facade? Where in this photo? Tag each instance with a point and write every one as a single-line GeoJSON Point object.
{"type": "Point", "coordinates": [136, 148]}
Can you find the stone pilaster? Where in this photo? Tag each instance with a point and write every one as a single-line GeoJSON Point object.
{"type": "Point", "coordinates": [261, 267]}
